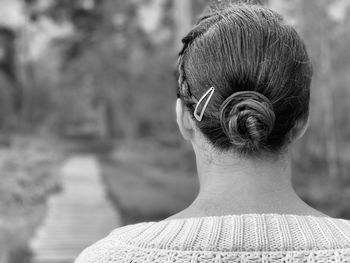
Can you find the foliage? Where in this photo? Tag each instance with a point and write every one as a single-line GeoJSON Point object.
{"type": "Point", "coordinates": [28, 177]}
{"type": "Point", "coordinates": [111, 76]}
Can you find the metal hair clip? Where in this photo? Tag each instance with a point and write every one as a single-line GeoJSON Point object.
{"type": "Point", "coordinates": [200, 116]}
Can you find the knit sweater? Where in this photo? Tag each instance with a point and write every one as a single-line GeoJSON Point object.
{"type": "Point", "coordinates": [230, 238]}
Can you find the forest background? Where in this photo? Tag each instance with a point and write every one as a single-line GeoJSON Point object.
{"type": "Point", "coordinates": [97, 76]}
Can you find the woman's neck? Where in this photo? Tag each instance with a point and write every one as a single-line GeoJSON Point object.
{"type": "Point", "coordinates": [230, 185]}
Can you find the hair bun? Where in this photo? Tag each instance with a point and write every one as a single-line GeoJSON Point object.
{"type": "Point", "coordinates": [247, 119]}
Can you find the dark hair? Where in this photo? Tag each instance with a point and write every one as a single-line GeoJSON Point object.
{"type": "Point", "coordinates": [261, 73]}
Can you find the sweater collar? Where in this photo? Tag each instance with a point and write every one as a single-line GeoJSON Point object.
{"type": "Point", "coordinates": [245, 232]}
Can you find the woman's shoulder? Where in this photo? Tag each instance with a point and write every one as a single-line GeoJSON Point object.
{"type": "Point", "coordinates": [113, 244]}
{"type": "Point", "coordinates": [228, 236]}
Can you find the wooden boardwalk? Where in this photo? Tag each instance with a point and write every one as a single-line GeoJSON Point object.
{"type": "Point", "coordinates": [77, 217]}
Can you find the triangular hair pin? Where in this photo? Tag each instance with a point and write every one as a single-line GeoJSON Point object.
{"type": "Point", "coordinates": [209, 93]}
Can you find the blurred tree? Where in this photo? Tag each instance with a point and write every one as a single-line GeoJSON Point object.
{"type": "Point", "coordinates": [8, 65]}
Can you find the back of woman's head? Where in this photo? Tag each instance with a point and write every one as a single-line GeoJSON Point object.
{"type": "Point", "coordinates": [261, 73]}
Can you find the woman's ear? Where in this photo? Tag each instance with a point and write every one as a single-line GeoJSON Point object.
{"type": "Point", "coordinates": [184, 120]}
{"type": "Point", "coordinates": [299, 129]}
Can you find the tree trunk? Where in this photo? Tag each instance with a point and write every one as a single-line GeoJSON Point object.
{"type": "Point", "coordinates": [327, 89]}
{"type": "Point", "coordinates": [182, 20]}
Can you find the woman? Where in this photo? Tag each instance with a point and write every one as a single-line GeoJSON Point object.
{"type": "Point", "coordinates": [243, 98]}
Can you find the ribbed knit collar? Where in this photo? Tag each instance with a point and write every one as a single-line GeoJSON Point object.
{"type": "Point", "coordinates": [245, 232]}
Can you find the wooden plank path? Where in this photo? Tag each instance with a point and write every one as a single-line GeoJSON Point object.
{"type": "Point", "coordinates": [77, 217]}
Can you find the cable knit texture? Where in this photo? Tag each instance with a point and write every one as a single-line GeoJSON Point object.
{"type": "Point", "coordinates": [258, 238]}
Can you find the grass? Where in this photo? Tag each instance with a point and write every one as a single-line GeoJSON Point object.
{"type": "Point", "coordinates": [142, 190]}
{"type": "Point", "coordinates": [329, 195]}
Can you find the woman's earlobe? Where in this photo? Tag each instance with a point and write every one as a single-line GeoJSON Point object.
{"type": "Point", "coordinates": [184, 120]}
{"type": "Point", "coordinates": [298, 130]}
